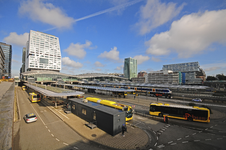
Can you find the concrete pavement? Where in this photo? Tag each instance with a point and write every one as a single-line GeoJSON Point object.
{"type": "Point", "coordinates": [135, 138]}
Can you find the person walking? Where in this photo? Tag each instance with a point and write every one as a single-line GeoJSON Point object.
{"type": "Point", "coordinates": [124, 128]}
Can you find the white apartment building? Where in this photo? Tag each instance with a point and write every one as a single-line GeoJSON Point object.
{"type": "Point", "coordinates": [42, 52]}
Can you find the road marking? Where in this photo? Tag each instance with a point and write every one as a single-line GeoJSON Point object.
{"type": "Point", "coordinates": [63, 115]}
{"type": "Point", "coordinates": [187, 136]}
{"type": "Point", "coordinates": [200, 131]}
{"type": "Point", "coordinates": [155, 144]}
{"type": "Point", "coordinates": [206, 129]}
{"type": "Point", "coordinates": [38, 114]}
{"type": "Point", "coordinates": [207, 139]}
{"type": "Point", "coordinates": [179, 139]}
{"type": "Point", "coordinates": [219, 138]}
{"type": "Point", "coordinates": [46, 126]}
{"type": "Point", "coordinates": [173, 143]}
{"type": "Point", "coordinates": [76, 147]}
{"type": "Point", "coordinates": [194, 134]}
{"type": "Point", "coordinates": [185, 142]}
{"type": "Point", "coordinates": [48, 130]}
{"type": "Point", "coordinates": [211, 133]}
{"type": "Point", "coordinates": [215, 124]}
{"type": "Point", "coordinates": [57, 139]}
{"type": "Point", "coordinates": [211, 127]}
{"type": "Point", "coordinates": [154, 132]}
{"type": "Point", "coordinates": [196, 140]}
{"type": "Point", "coordinates": [170, 142]}
{"type": "Point", "coordinates": [160, 146]}
{"type": "Point", "coordinates": [65, 143]}
{"type": "Point", "coordinates": [52, 135]}
{"type": "Point", "coordinates": [157, 138]}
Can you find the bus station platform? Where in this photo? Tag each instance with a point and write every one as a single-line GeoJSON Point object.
{"type": "Point", "coordinates": [135, 138]}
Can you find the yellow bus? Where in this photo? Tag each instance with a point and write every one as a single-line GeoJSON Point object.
{"type": "Point", "coordinates": [24, 88]}
{"type": "Point", "coordinates": [190, 113]}
{"type": "Point", "coordinates": [127, 108]}
{"type": "Point", "coordinates": [34, 97]}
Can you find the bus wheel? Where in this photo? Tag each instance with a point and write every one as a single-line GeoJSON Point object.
{"type": "Point", "coordinates": [160, 115]}
{"type": "Point", "coordinates": [190, 119]}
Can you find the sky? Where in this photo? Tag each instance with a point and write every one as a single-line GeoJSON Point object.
{"type": "Point", "coordinates": [97, 35]}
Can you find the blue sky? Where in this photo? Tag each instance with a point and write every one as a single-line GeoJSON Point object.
{"type": "Point", "coordinates": [97, 35]}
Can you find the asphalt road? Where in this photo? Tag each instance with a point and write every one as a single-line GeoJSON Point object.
{"type": "Point", "coordinates": [49, 132]}
{"type": "Point", "coordinates": [178, 134]}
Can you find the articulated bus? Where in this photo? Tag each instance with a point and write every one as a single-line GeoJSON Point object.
{"type": "Point", "coordinates": [190, 113]}
{"type": "Point", "coordinates": [34, 97]}
{"type": "Point", "coordinates": [127, 108]}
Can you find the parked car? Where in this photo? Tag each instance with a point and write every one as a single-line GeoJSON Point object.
{"type": "Point", "coordinates": [197, 100]}
{"type": "Point", "coordinates": [31, 117]}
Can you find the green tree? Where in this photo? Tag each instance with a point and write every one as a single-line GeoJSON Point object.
{"type": "Point", "coordinates": [221, 77]}
{"type": "Point", "coordinates": [209, 78]}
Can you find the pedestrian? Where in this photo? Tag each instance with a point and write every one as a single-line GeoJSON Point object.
{"type": "Point", "coordinates": [124, 128]}
{"type": "Point", "coordinates": [167, 119]}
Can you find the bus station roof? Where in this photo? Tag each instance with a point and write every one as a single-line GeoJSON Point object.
{"type": "Point", "coordinates": [156, 85]}
{"type": "Point", "coordinates": [100, 88]}
{"type": "Point", "coordinates": [52, 94]}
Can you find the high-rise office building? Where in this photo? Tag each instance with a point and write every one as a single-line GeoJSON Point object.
{"type": "Point", "coordinates": [7, 50]}
{"type": "Point", "coordinates": [42, 52]}
{"type": "Point", "coordinates": [130, 68]}
{"type": "Point", "coordinates": [23, 59]}
{"type": "Point", "coordinates": [2, 62]}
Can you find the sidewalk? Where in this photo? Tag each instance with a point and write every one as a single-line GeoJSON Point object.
{"type": "Point", "coordinates": [135, 138]}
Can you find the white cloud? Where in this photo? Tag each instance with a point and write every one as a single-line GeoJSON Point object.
{"type": "Point", "coordinates": [190, 35]}
{"type": "Point", "coordinates": [70, 63]}
{"type": "Point", "coordinates": [14, 38]}
{"type": "Point", "coordinates": [140, 59]}
{"type": "Point", "coordinates": [78, 50]}
{"type": "Point", "coordinates": [154, 14]}
{"type": "Point", "coordinates": [98, 64]}
{"type": "Point", "coordinates": [155, 59]}
{"type": "Point", "coordinates": [46, 13]}
{"type": "Point", "coordinates": [119, 67]}
{"type": "Point", "coordinates": [214, 68]}
{"type": "Point", "coordinates": [113, 54]}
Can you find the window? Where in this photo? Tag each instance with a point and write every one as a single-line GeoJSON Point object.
{"type": "Point", "coordinates": [84, 111]}
{"type": "Point", "coordinates": [44, 61]}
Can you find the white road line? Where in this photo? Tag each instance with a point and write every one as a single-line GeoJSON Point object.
{"type": "Point", "coordinates": [160, 146]}
{"type": "Point", "coordinates": [173, 143]}
{"type": "Point", "coordinates": [196, 140]}
{"type": "Point", "coordinates": [185, 142]}
{"type": "Point", "coordinates": [48, 130]}
{"type": "Point", "coordinates": [200, 131]}
{"type": "Point", "coordinates": [65, 143]}
{"type": "Point", "coordinates": [207, 139]}
{"type": "Point", "coordinates": [206, 129]}
{"type": "Point", "coordinates": [38, 115]}
{"type": "Point", "coordinates": [157, 138]}
{"type": "Point", "coordinates": [76, 147]}
{"type": "Point", "coordinates": [219, 138]}
{"type": "Point", "coordinates": [52, 135]}
{"type": "Point", "coordinates": [57, 139]}
{"type": "Point", "coordinates": [215, 124]}
{"type": "Point", "coordinates": [170, 142]}
{"type": "Point", "coordinates": [155, 144]}
{"type": "Point", "coordinates": [194, 134]}
{"type": "Point", "coordinates": [187, 136]}
{"type": "Point", "coordinates": [154, 132]}
{"type": "Point", "coordinates": [211, 127]}
{"type": "Point", "coordinates": [179, 139]}
{"type": "Point", "coordinates": [63, 115]}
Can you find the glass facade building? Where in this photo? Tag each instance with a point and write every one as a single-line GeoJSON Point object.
{"type": "Point", "coordinates": [189, 73]}
{"type": "Point", "coordinates": [2, 62]}
{"type": "Point", "coordinates": [7, 50]}
{"type": "Point", "coordinates": [42, 52]}
{"type": "Point", "coordinates": [130, 68]}
{"type": "Point", "coordinates": [23, 59]}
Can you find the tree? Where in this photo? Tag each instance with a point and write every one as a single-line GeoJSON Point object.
{"type": "Point", "coordinates": [221, 77]}
{"type": "Point", "coordinates": [209, 78]}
